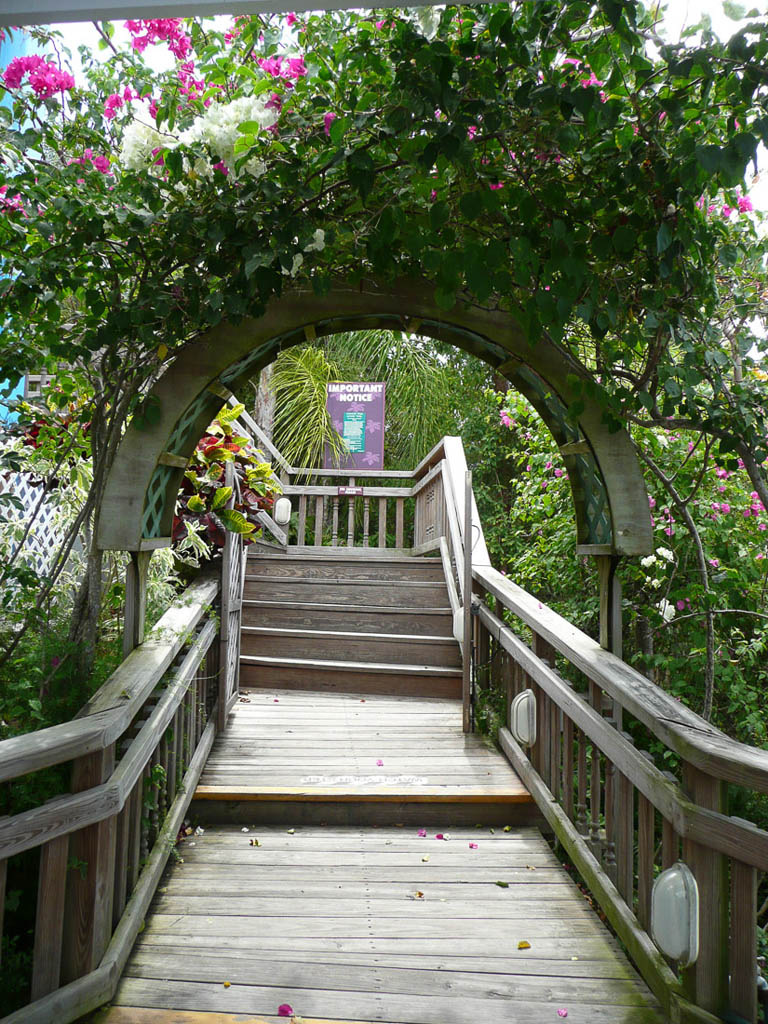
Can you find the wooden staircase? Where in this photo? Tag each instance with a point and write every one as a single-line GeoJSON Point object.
{"type": "Point", "coordinates": [351, 620]}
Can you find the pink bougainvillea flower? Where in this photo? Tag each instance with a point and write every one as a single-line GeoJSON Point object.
{"type": "Point", "coordinates": [438, 835]}
{"type": "Point", "coordinates": [562, 1012]}
{"type": "Point", "coordinates": [328, 120]}
{"type": "Point", "coordinates": [497, 186]}
{"type": "Point", "coordinates": [727, 211]}
{"type": "Point", "coordinates": [473, 846]}
{"type": "Point", "coordinates": [379, 763]}
{"type": "Point", "coordinates": [558, 472]}
{"type": "Point", "coordinates": [285, 1010]}
{"type": "Point", "coordinates": [290, 19]}
{"type": "Point", "coordinates": [715, 563]}
{"type": "Point", "coordinates": [422, 833]}
{"type": "Point", "coordinates": [222, 167]}
{"type": "Point", "coordinates": [101, 163]}
{"type": "Point", "coordinates": [745, 204]}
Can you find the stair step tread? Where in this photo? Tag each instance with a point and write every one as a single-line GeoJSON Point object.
{"type": "Point", "coordinates": [351, 666]}
{"type": "Point", "coordinates": [345, 580]}
{"type": "Point", "coordinates": [354, 635]}
{"type": "Point", "coordinates": [321, 606]}
{"type": "Point", "coordinates": [345, 555]}
{"type": "Point", "coordinates": [510, 792]}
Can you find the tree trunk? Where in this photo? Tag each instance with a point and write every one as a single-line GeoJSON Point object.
{"type": "Point", "coordinates": [264, 401]}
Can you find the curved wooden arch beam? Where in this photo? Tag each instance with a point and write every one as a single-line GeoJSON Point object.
{"type": "Point", "coordinates": [138, 504]}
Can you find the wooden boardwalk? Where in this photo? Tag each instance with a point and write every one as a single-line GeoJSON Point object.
{"type": "Point", "coordinates": [359, 924]}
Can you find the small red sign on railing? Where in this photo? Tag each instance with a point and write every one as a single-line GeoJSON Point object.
{"type": "Point", "coordinates": [350, 492]}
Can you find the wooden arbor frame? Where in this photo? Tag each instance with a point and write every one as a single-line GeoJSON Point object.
{"type": "Point", "coordinates": [610, 499]}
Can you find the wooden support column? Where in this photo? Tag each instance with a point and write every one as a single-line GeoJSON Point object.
{"type": "Point", "coordinates": [90, 879]}
{"type": "Point", "coordinates": [610, 604]}
{"type": "Point", "coordinates": [706, 981]}
{"type": "Point", "coordinates": [49, 924]}
{"type": "Point", "coordinates": [135, 600]}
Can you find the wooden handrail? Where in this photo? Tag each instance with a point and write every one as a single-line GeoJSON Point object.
{"type": "Point", "coordinates": [680, 728]}
{"type": "Point", "coordinates": [137, 750]}
{"type": "Point", "coordinates": [112, 708]}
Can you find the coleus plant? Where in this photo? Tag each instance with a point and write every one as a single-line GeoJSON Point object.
{"type": "Point", "coordinates": [208, 507]}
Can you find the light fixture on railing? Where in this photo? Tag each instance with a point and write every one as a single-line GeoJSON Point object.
{"type": "Point", "coordinates": [675, 914]}
{"type": "Point", "coordinates": [282, 511]}
{"type": "Point", "coordinates": [522, 718]}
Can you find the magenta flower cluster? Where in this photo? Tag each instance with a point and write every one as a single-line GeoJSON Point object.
{"type": "Point", "coordinates": [44, 77]}
{"type": "Point", "coordinates": [99, 163]}
{"type": "Point", "coordinates": [10, 202]}
{"type": "Point", "coordinates": [160, 30]}
{"type": "Point", "coordinates": [287, 69]}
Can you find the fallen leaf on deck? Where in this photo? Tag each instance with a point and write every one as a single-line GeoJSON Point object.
{"type": "Point", "coordinates": [507, 828]}
{"type": "Point", "coordinates": [530, 867]}
{"type": "Point", "coordinates": [245, 829]}
{"type": "Point", "coordinates": [425, 858]}
{"type": "Point", "coordinates": [523, 944]}
{"type": "Point", "coordinates": [199, 831]}
{"type": "Point", "coordinates": [227, 984]}
{"type": "Point", "coordinates": [285, 1010]}
{"type": "Point", "coordinates": [291, 831]}
{"type": "Point", "coordinates": [245, 700]}
{"type": "Point", "coordinates": [492, 830]}
{"type": "Point", "coordinates": [188, 831]}
{"type": "Point", "coordinates": [255, 842]}
{"type": "Point", "coordinates": [503, 885]}
{"type": "Point", "coordinates": [418, 895]}
{"type": "Point", "coordinates": [562, 1012]}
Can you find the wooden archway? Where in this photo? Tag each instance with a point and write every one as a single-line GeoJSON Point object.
{"type": "Point", "coordinates": [610, 500]}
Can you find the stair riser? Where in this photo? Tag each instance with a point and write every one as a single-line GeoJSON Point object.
{"type": "Point", "coordinates": [276, 677]}
{"type": "Point", "coordinates": [348, 619]}
{"type": "Point", "coordinates": [359, 569]}
{"type": "Point", "coordinates": [422, 595]}
{"type": "Point", "coordinates": [295, 813]}
{"type": "Point", "coordinates": [445, 654]}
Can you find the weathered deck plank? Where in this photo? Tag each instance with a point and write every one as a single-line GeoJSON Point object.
{"type": "Point", "coordinates": [370, 924]}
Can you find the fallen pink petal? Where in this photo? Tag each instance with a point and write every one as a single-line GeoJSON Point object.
{"type": "Point", "coordinates": [473, 846]}
{"type": "Point", "coordinates": [422, 833]}
{"type": "Point", "coordinates": [286, 1010]}
{"type": "Point", "coordinates": [438, 835]}
{"type": "Point", "coordinates": [562, 1012]}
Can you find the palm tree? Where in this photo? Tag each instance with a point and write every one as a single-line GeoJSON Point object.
{"type": "Point", "coordinates": [420, 407]}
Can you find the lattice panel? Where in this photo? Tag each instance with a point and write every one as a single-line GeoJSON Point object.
{"type": "Point", "coordinates": [155, 501]}
{"type": "Point", "coordinates": [43, 539]}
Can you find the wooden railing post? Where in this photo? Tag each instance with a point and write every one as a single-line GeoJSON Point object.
{"type": "Point", "coordinates": [135, 600]}
{"type": "Point", "coordinates": [466, 685]}
{"type": "Point", "coordinates": [707, 980]}
{"type": "Point", "coordinates": [90, 879]}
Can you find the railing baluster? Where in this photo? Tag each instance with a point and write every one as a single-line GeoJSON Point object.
{"type": "Point", "coordinates": [134, 847]}
{"type": "Point", "coordinates": [366, 520]}
{"type": "Point", "coordinates": [319, 516]}
{"type": "Point", "coordinates": [555, 752]}
{"type": "Point", "coordinates": [399, 520]}
{"type": "Point", "coordinates": [49, 922]}
{"type": "Point", "coordinates": [611, 813]}
{"type": "Point", "coordinates": [335, 523]}
{"type": "Point", "coordinates": [646, 840]}
{"type": "Point", "coordinates": [351, 517]}
{"type": "Point", "coordinates": [382, 522]}
{"type": "Point", "coordinates": [567, 777]}
{"type": "Point", "coordinates": [625, 837]}
{"type": "Point", "coordinates": [581, 805]}
{"type": "Point", "coordinates": [302, 525]}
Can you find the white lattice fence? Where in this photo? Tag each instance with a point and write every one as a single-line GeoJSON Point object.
{"type": "Point", "coordinates": [42, 540]}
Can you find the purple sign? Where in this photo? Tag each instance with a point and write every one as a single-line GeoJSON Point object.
{"type": "Point", "coordinates": [357, 415]}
